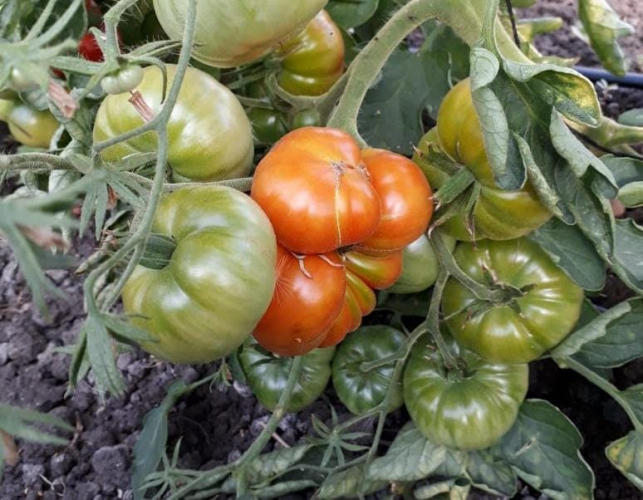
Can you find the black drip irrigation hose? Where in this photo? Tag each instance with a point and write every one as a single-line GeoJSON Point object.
{"type": "Point", "coordinates": [633, 80]}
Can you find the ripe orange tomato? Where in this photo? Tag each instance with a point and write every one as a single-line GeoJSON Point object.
{"type": "Point", "coordinates": [316, 191]}
{"type": "Point", "coordinates": [309, 296]}
{"type": "Point", "coordinates": [406, 200]}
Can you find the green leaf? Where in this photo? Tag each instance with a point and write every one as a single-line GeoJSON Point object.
{"type": "Point", "coordinates": [346, 484]}
{"type": "Point", "coordinates": [603, 27]}
{"type": "Point", "coordinates": [150, 445]}
{"type": "Point", "coordinates": [351, 13]}
{"type": "Point", "coordinates": [412, 457]}
{"type": "Point", "coordinates": [570, 249]}
{"type": "Point", "coordinates": [626, 454]}
{"type": "Point", "coordinates": [631, 195]}
{"type": "Point", "coordinates": [627, 253]}
{"type": "Point", "coordinates": [543, 448]}
{"type": "Point", "coordinates": [20, 423]}
{"type": "Point", "coordinates": [279, 490]}
{"type": "Point", "coordinates": [390, 117]}
{"type": "Point", "coordinates": [489, 471]}
{"type": "Point", "coordinates": [632, 118]}
{"type": "Point", "coordinates": [612, 339]}
{"type": "Point", "coordinates": [440, 37]}
{"type": "Point", "coordinates": [101, 355]}
{"type": "Point", "coordinates": [634, 397]}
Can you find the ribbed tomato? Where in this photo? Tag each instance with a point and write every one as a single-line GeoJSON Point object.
{"type": "Point", "coordinates": [316, 191]}
{"type": "Point", "coordinates": [405, 197]}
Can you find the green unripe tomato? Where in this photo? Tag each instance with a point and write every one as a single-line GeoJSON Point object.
{"type": "Point", "coordinates": [268, 125]}
{"type": "Point", "coordinates": [209, 134]}
{"type": "Point", "coordinates": [546, 308]}
{"type": "Point", "coordinates": [127, 79]}
{"type": "Point", "coordinates": [306, 118]}
{"type": "Point", "coordinates": [498, 214]}
{"type": "Point", "coordinates": [29, 126]}
{"type": "Point", "coordinates": [313, 60]}
{"type": "Point", "coordinates": [21, 81]}
{"type": "Point", "coordinates": [361, 390]}
{"type": "Point", "coordinates": [229, 33]}
{"type": "Point", "coordinates": [466, 412]}
{"type": "Point", "coordinates": [267, 375]}
{"type": "Point", "coordinates": [219, 279]}
{"type": "Point", "coordinates": [420, 266]}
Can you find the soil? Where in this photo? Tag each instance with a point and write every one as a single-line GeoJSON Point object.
{"type": "Point", "coordinates": [218, 424]}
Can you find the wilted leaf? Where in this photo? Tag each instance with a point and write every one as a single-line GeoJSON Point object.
{"type": "Point", "coordinates": [603, 27]}
{"type": "Point", "coordinates": [626, 454]}
{"type": "Point", "coordinates": [612, 339]}
{"type": "Point", "coordinates": [269, 465]}
{"type": "Point", "coordinates": [543, 448]}
{"type": "Point", "coordinates": [412, 457]}
{"type": "Point", "coordinates": [346, 484]}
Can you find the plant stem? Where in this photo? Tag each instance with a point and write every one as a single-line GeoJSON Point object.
{"type": "Point", "coordinates": [266, 434]}
{"type": "Point", "coordinates": [34, 162]}
{"type": "Point", "coordinates": [603, 384]}
{"type": "Point", "coordinates": [433, 320]}
{"type": "Point", "coordinates": [448, 262]}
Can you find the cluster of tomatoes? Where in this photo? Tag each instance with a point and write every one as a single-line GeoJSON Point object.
{"type": "Point", "coordinates": [297, 263]}
{"type": "Point", "coordinates": [342, 217]}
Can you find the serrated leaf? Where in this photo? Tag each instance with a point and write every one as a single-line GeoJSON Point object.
{"type": "Point", "coordinates": [412, 457]}
{"type": "Point", "coordinates": [351, 13]}
{"type": "Point", "coordinates": [489, 471]}
{"type": "Point", "coordinates": [570, 249]}
{"type": "Point", "coordinates": [346, 484]}
{"type": "Point", "coordinates": [390, 117]}
{"type": "Point", "coordinates": [603, 27]}
{"type": "Point", "coordinates": [19, 423]}
{"type": "Point", "coordinates": [101, 355]}
{"type": "Point", "coordinates": [150, 445]}
{"type": "Point", "coordinates": [543, 448]}
{"type": "Point", "coordinates": [612, 339]}
{"type": "Point", "coordinates": [626, 454]}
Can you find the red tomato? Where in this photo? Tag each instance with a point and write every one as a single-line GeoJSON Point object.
{"type": "Point", "coordinates": [406, 200]}
{"type": "Point", "coordinates": [316, 191]}
{"type": "Point", "coordinates": [349, 319]}
{"type": "Point", "coordinates": [309, 296]}
{"type": "Point", "coordinates": [88, 48]}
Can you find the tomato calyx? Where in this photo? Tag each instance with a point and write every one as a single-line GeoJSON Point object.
{"type": "Point", "coordinates": [158, 251]}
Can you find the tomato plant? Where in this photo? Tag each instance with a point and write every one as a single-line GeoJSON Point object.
{"type": "Point", "coordinates": [217, 283]}
{"type": "Point", "coordinates": [540, 307]}
{"type": "Point", "coordinates": [267, 375]}
{"type": "Point", "coordinates": [466, 411]}
{"type": "Point", "coordinates": [313, 60]}
{"type": "Point", "coordinates": [203, 104]}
